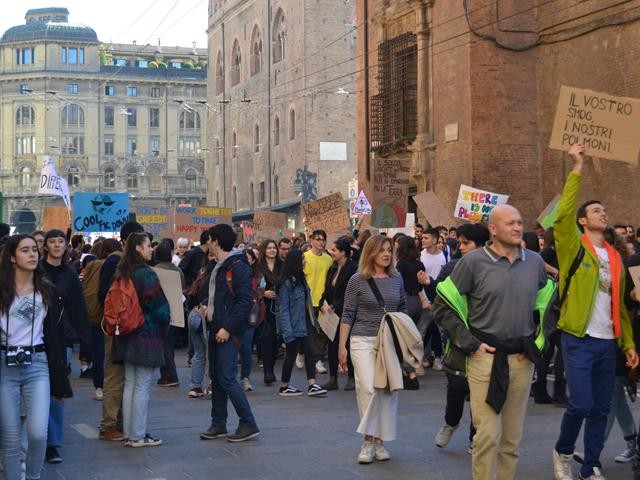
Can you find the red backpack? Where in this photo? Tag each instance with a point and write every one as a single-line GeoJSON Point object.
{"type": "Point", "coordinates": [122, 310]}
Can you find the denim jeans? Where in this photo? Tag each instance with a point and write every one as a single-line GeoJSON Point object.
{"type": "Point", "coordinates": [246, 341]}
{"type": "Point", "coordinates": [97, 348]}
{"type": "Point", "coordinates": [223, 367]}
{"type": "Point", "coordinates": [196, 340]}
{"type": "Point", "coordinates": [620, 410]}
{"type": "Point", "coordinates": [55, 437]}
{"type": "Point", "coordinates": [31, 384]}
{"type": "Point", "coordinates": [135, 400]}
{"type": "Point", "coordinates": [590, 364]}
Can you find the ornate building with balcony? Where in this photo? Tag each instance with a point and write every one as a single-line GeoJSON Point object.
{"type": "Point", "coordinates": [116, 117]}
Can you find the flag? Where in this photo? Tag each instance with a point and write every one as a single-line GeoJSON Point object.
{"type": "Point", "coordinates": [51, 183]}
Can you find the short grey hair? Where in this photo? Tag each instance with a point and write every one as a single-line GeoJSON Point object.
{"type": "Point", "coordinates": [182, 242]}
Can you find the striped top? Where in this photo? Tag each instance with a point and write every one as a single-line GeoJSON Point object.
{"type": "Point", "coordinates": [361, 309]}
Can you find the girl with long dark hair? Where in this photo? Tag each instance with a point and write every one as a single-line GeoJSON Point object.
{"type": "Point", "coordinates": [32, 355]}
{"type": "Point", "coordinates": [295, 321]}
{"type": "Point", "coordinates": [269, 266]}
{"type": "Point", "coordinates": [141, 351]}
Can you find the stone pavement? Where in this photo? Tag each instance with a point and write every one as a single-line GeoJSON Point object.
{"type": "Point", "coordinates": [302, 438]}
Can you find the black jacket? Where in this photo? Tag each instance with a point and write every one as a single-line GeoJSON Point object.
{"type": "Point", "coordinates": [335, 295]}
{"type": "Point", "coordinates": [191, 264]}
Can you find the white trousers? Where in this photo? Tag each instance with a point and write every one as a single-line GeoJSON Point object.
{"type": "Point", "coordinates": [378, 409]}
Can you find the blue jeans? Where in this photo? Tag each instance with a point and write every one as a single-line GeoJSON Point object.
{"type": "Point", "coordinates": [55, 436]}
{"type": "Point", "coordinates": [590, 365]}
{"type": "Point", "coordinates": [246, 341]}
{"type": "Point", "coordinates": [97, 349]}
{"type": "Point", "coordinates": [31, 384]}
{"type": "Point", "coordinates": [620, 410]}
{"type": "Point", "coordinates": [196, 340]}
{"type": "Point", "coordinates": [135, 400]}
{"type": "Point", "coordinates": [223, 367]}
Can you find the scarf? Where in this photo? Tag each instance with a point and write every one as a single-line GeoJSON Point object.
{"type": "Point", "coordinates": [615, 266]}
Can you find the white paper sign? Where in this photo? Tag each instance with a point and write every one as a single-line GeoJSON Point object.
{"type": "Point", "coordinates": [361, 205]}
{"type": "Point", "coordinates": [172, 288]}
{"type": "Point", "coordinates": [51, 183]}
{"type": "Point", "coordinates": [475, 205]}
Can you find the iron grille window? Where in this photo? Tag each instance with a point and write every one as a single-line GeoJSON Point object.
{"type": "Point", "coordinates": [394, 110]}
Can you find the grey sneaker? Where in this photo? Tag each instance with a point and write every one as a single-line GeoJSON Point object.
{"type": "Point", "coordinates": [214, 431]}
{"type": "Point", "coordinates": [367, 453]}
{"type": "Point", "coordinates": [444, 435]}
{"type": "Point", "coordinates": [562, 466]}
{"type": "Point", "coordinates": [246, 384]}
{"type": "Point", "coordinates": [596, 475]}
{"type": "Point", "coordinates": [243, 433]}
{"type": "Point", "coordinates": [628, 454]}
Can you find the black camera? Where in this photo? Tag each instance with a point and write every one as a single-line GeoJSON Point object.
{"type": "Point", "coordinates": [18, 356]}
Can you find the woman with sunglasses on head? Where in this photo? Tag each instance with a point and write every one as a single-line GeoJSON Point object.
{"type": "Point", "coordinates": [32, 352]}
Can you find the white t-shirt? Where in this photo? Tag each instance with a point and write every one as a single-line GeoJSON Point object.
{"type": "Point", "coordinates": [432, 263]}
{"type": "Point", "coordinates": [176, 260]}
{"type": "Point", "coordinates": [21, 315]}
{"type": "Point", "coordinates": [600, 325]}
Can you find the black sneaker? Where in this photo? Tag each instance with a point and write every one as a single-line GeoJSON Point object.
{"type": "Point", "coordinates": [214, 431]}
{"type": "Point", "coordinates": [316, 390]}
{"type": "Point", "coordinates": [289, 391]}
{"type": "Point", "coordinates": [87, 373]}
{"type": "Point", "coordinates": [243, 433]}
{"type": "Point", "coordinates": [269, 378]}
{"type": "Point", "coordinates": [52, 455]}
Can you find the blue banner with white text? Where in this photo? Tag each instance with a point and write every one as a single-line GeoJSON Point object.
{"type": "Point", "coordinates": [100, 212]}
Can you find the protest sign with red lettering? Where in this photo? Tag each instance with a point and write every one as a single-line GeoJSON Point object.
{"type": "Point", "coordinates": [190, 222]}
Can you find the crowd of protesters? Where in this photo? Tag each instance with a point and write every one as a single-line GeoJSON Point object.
{"type": "Point", "coordinates": [472, 301]}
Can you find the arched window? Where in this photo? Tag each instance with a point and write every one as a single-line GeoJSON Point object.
{"type": "Point", "coordinates": [109, 178]}
{"type": "Point", "coordinates": [72, 116]}
{"type": "Point", "coordinates": [234, 144]}
{"type": "Point", "coordinates": [189, 120]}
{"type": "Point", "coordinates": [276, 131]}
{"type": "Point", "coordinates": [155, 178]}
{"type": "Point", "coordinates": [191, 178]}
{"type": "Point", "coordinates": [236, 62]}
{"type": "Point", "coordinates": [276, 190]}
{"type": "Point", "coordinates": [25, 177]}
{"type": "Point", "coordinates": [132, 177]}
{"type": "Point", "coordinates": [219, 74]}
{"type": "Point", "coordinates": [252, 203]}
{"type": "Point", "coordinates": [256, 139]}
{"type": "Point", "coordinates": [256, 51]}
{"type": "Point", "coordinates": [73, 176]}
{"type": "Point", "coordinates": [235, 198]}
{"type": "Point", "coordinates": [279, 37]}
{"type": "Point", "coordinates": [292, 124]}
{"type": "Point", "coordinates": [25, 115]}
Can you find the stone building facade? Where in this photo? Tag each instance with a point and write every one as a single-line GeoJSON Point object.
{"type": "Point", "coordinates": [283, 84]}
{"type": "Point", "coordinates": [116, 117]}
{"type": "Point", "coordinates": [484, 78]}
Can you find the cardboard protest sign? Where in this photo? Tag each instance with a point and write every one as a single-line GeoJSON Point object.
{"type": "Point", "coordinates": [267, 221]}
{"type": "Point", "coordinates": [361, 206]}
{"type": "Point", "coordinates": [390, 188]}
{"type": "Point", "coordinates": [100, 212]}
{"type": "Point", "coordinates": [432, 208]}
{"type": "Point", "coordinates": [548, 216]}
{"type": "Point", "coordinates": [475, 205]}
{"type": "Point", "coordinates": [172, 288]}
{"type": "Point", "coordinates": [328, 214]}
{"type": "Point", "coordinates": [606, 125]}
{"type": "Point", "coordinates": [190, 222]}
{"type": "Point", "coordinates": [156, 220]}
{"type": "Point", "coordinates": [635, 275]}
{"type": "Point", "coordinates": [55, 217]}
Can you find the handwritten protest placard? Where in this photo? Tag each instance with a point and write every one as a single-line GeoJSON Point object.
{"type": "Point", "coordinates": [267, 221]}
{"type": "Point", "coordinates": [328, 214]}
{"type": "Point", "coordinates": [475, 205]}
{"type": "Point", "coordinates": [390, 188]}
{"type": "Point", "coordinates": [190, 222]}
{"type": "Point", "coordinates": [432, 208]}
{"type": "Point", "coordinates": [100, 212]}
{"type": "Point", "coordinates": [156, 220]}
{"type": "Point", "coordinates": [550, 213]}
{"type": "Point", "coordinates": [606, 125]}
{"type": "Point", "coordinates": [635, 275]}
{"type": "Point", "coordinates": [55, 217]}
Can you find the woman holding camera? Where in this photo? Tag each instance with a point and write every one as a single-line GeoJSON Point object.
{"type": "Point", "coordinates": [32, 355]}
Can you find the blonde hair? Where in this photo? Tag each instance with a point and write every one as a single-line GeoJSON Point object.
{"type": "Point", "coordinates": [372, 247]}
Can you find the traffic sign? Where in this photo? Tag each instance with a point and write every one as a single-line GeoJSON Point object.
{"type": "Point", "coordinates": [361, 205]}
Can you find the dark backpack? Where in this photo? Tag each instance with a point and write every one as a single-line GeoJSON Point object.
{"type": "Point", "coordinates": [122, 311]}
{"type": "Point", "coordinates": [257, 308]}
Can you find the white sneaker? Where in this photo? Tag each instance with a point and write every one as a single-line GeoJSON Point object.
{"type": "Point", "coordinates": [443, 437]}
{"type": "Point", "coordinates": [300, 361]}
{"type": "Point", "coordinates": [367, 453]}
{"type": "Point", "coordinates": [562, 466]}
{"type": "Point", "coordinates": [381, 453]}
{"type": "Point", "coordinates": [320, 368]}
{"type": "Point", "coordinates": [437, 363]}
{"type": "Point", "coordinates": [246, 384]}
{"type": "Point", "coordinates": [596, 475]}
{"type": "Point", "coordinates": [98, 395]}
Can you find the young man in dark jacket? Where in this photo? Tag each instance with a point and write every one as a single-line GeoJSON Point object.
{"type": "Point", "coordinates": [228, 311]}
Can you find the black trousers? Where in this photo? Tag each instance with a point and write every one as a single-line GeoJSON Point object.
{"type": "Point", "coordinates": [542, 369]}
{"type": "Point", "coordinates": [305, 345]}
{"type": "Point", "coordinates": [267, 339]}
{"type": "Point", "coordinates": [333, 356]}
{"type": "Point", "coordinates": [457, 391]}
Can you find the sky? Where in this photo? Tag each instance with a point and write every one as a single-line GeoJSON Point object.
{"type": "Point", "coordinates": [175, 22]}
